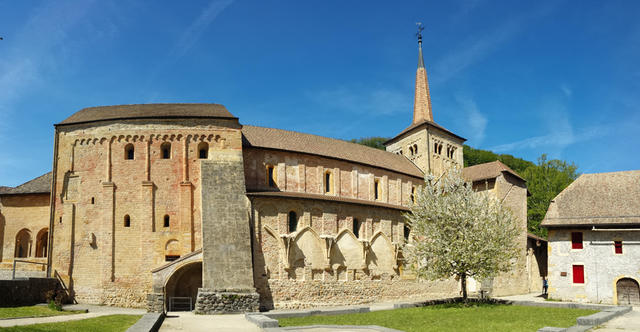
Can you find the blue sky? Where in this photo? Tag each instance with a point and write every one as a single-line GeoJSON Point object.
{"type": "Point", "coordinates": [524, 78]}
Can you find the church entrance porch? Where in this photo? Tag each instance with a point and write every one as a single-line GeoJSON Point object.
{"type": "Point", "coordinates": [181, 289]}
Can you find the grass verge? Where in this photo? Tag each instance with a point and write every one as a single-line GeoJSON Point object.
{"type": "Point", "coordinates": [32, 311]}
{"type": "Point", "coordinates": [454, 317]}
{"type": "Point", "coordinates": [111, 323]}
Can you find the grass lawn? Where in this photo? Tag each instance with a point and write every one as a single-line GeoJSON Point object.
{"type": "Point", "coordinates": [111, 323]}
{"type": "Point", "coordinates": [454, 317]}
{"type": "Point", "coordinates": [32, 311]}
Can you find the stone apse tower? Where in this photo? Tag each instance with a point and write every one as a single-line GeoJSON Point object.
{"type": "Point", "coordinates": [139, 188]}
{"type": "Point", "coordinates": [428, 145]}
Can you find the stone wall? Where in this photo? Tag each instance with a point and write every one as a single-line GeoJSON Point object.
{"type": "Point", "coordinates": [27, 213]}
{"type": "Point", "coordinates": [427, 158]}
{"type": "Point", "coordinates": [303, 173]}
{"type": "Point", "coordinates": [99, 255]}
{"type": "Point", "coordinates": [602, 266]}
{"type": "Point", "coordinates": [29, 291]}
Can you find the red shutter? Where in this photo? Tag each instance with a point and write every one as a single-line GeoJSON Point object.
{"type": "Point", "coordinates": [576, 240]}
{"type": "Point", "coordinates": [618, 246]}
{"type": "Point", "coordinates": [578, 274]}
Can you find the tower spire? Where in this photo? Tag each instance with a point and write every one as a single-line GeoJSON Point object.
{"type": "Point", "coordinates": [422, 99]}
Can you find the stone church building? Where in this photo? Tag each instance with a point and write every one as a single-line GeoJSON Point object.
{"type": "Point", "coordinates": [171, 205]}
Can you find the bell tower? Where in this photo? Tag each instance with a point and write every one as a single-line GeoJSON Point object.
{"type": "Point", "coordinates": [431, 147]}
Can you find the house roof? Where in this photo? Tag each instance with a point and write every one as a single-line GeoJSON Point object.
{"type": "Point", "coordinates": [286, 140]}
{"type": "Point", "coordinates": [147, 111]}
{"type": "Point", "coordinates": [603, 199]}
{"type": "Point", "coordinates": [490, 170]}
{"type": "Point", "coordinates": [39, 185]}
{"type": "Point", "coordinates": [535, 237]}
{"type": "Point", "coordinates": [420, 124]}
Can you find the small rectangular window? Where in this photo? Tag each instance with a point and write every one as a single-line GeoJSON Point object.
{"type": "Point", "coordinates": [171, 258]}
{"type": "Point", "coordinates": [327, 182]}
{"type": "Point", "coordinates": [271, 181]}
{"type": "Point", "coordinates": [576, 240]}
{"type": "Point", "coordinates": [578, 274]}
{"type": "Point", "coordinates": [618, 246]}
{"type": "Point", "coordinates": [376, 186]}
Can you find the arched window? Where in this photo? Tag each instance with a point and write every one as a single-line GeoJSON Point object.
{"type": "Point", "coordinates": [411, 150]}
{"type": "Point", "coordinates": [415, 148]}
{"type": "Point", "coordinates": [166, 220]}
{"type": "Point", "coordinates": [203, 150]}
{"type": "Point", "coordinates": [127, 221]}
{"type": "Point", "coordinates": [376, 189]}
{"type": "Point", "coordinates": [407, 232]}
{"type": "Point", "coordinates": [439, 148]}
{"type": "Point", "coordinates": [293, 221]}
{"type": "Point", "coordinates": [328, 187]}
{"type": "Point", "coordinates": [435, 147]}
{"type": "Point", "coordinates": [23, 244]}
{"type": "Point", "coordinates": [356, 227]}
{"type": "Point", "coordinates": [271, 176]}
{"type": "Point", "coordinates": [41, 242]}
{"type": "Point", "coordinates": [129, 151]}
{"type": "Point", "coordinates": [165, 149]}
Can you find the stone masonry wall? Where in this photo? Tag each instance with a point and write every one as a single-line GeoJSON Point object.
{"type": "Point", "coordinates": [29, 212]}
{"type": "Point", "coordinates": [100, 258]}
{"type": "Point", "coordinates": [602, 266]}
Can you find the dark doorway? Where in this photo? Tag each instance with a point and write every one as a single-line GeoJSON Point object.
{"type": "Point", "coordinates": [182, 288]}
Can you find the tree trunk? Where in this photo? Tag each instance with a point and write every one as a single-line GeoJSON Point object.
{"type": "Point", "coordinates": [463, 285]}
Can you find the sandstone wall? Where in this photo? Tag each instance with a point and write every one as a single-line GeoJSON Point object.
{"type": "Point", "coordinates": [297, 172]}
{"type": "Point", "coordinates": [323, 262]}
{"type": "Point", "coordinates": [100, 257]}
{"type": "Point", "coordinates": [28, 213]}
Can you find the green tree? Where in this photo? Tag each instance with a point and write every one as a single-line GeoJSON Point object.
{"type": "Point", "coordinates": [545, 181]}
{"type": "Point", "coordinates": [374, 142]}
{"type": "Point", "coordinates": [474, 156]}
{"type": "Point", "coordinates": [458, 232]}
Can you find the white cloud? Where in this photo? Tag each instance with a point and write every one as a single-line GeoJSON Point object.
{"type": "Point", "coordinates": [378, 101]}
{"type": "Point", "coordinates": [566, 90]}
{"type": "Point", "coordinates": [476, 121]}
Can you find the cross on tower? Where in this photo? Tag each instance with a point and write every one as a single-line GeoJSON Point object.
{"type": "Point", "coordinates": [420, 29]}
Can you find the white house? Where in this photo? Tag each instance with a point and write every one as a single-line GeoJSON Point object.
{"type": "Point", "coordinates": [594, 239]}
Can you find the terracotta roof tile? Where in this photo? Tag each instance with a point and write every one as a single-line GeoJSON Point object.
{"type": "Point", "coordinates": [146, 111]}
{"type": "Point", "coordinates": [597, 199]}
{"type": "Point", "coordinates": [39, 185]}
{"type": "Point", "coordinates": [490, 170]}
{"type": "Point", "coordinates": [327, 147]}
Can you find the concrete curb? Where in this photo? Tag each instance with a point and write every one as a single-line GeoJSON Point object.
{"type": "Point", "coordinates": [586, 323]}
{"type": "Point", "coordinates": [333, 327]}
{"type": "Point", "coordinates": [261, 321]}
{"type": "Point", "coordinates": [149, 322]}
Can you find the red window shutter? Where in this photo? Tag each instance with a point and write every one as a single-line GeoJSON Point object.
{"type": "Point", "coordinates": [578, 274]}
{"type": "Point", "coordinates": [618, 246]}
{"type": "Point", "coordinates": [576, 240]}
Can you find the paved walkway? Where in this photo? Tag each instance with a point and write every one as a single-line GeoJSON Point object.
{"type": "Point", "coordinates": [627, 322]}
{"type": "Point", "coordinates": [188, 321]}
{"type": "Point", "coordinates": [94, 311]}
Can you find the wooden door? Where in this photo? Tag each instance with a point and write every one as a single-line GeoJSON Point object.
{"type": "Point", "coordinates": [628, 292]}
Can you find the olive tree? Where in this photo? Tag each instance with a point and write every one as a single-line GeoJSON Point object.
{"type": "Point", "coordinates": [459, 232]}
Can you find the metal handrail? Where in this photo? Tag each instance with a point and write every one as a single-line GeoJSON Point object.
{"type": "Point", "coordinates": [13, 274]}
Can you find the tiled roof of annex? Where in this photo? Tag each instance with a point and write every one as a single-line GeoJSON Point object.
{"type": "Point", "coordinates": [490, 170]}
{"type": "Point", "coordinates": [601, 199]}
{"type": "Point", "coordinates": [39, 185]}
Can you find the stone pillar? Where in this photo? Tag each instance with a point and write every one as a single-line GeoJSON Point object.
{"type": "Point", "coordinates": [227, 272]}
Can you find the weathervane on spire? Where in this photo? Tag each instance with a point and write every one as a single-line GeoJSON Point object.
{"type": "Point", "coordinates": [419, 33]}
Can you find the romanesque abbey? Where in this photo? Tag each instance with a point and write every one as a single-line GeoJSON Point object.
{"type": "Point", "coordinates": [147, 204]}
